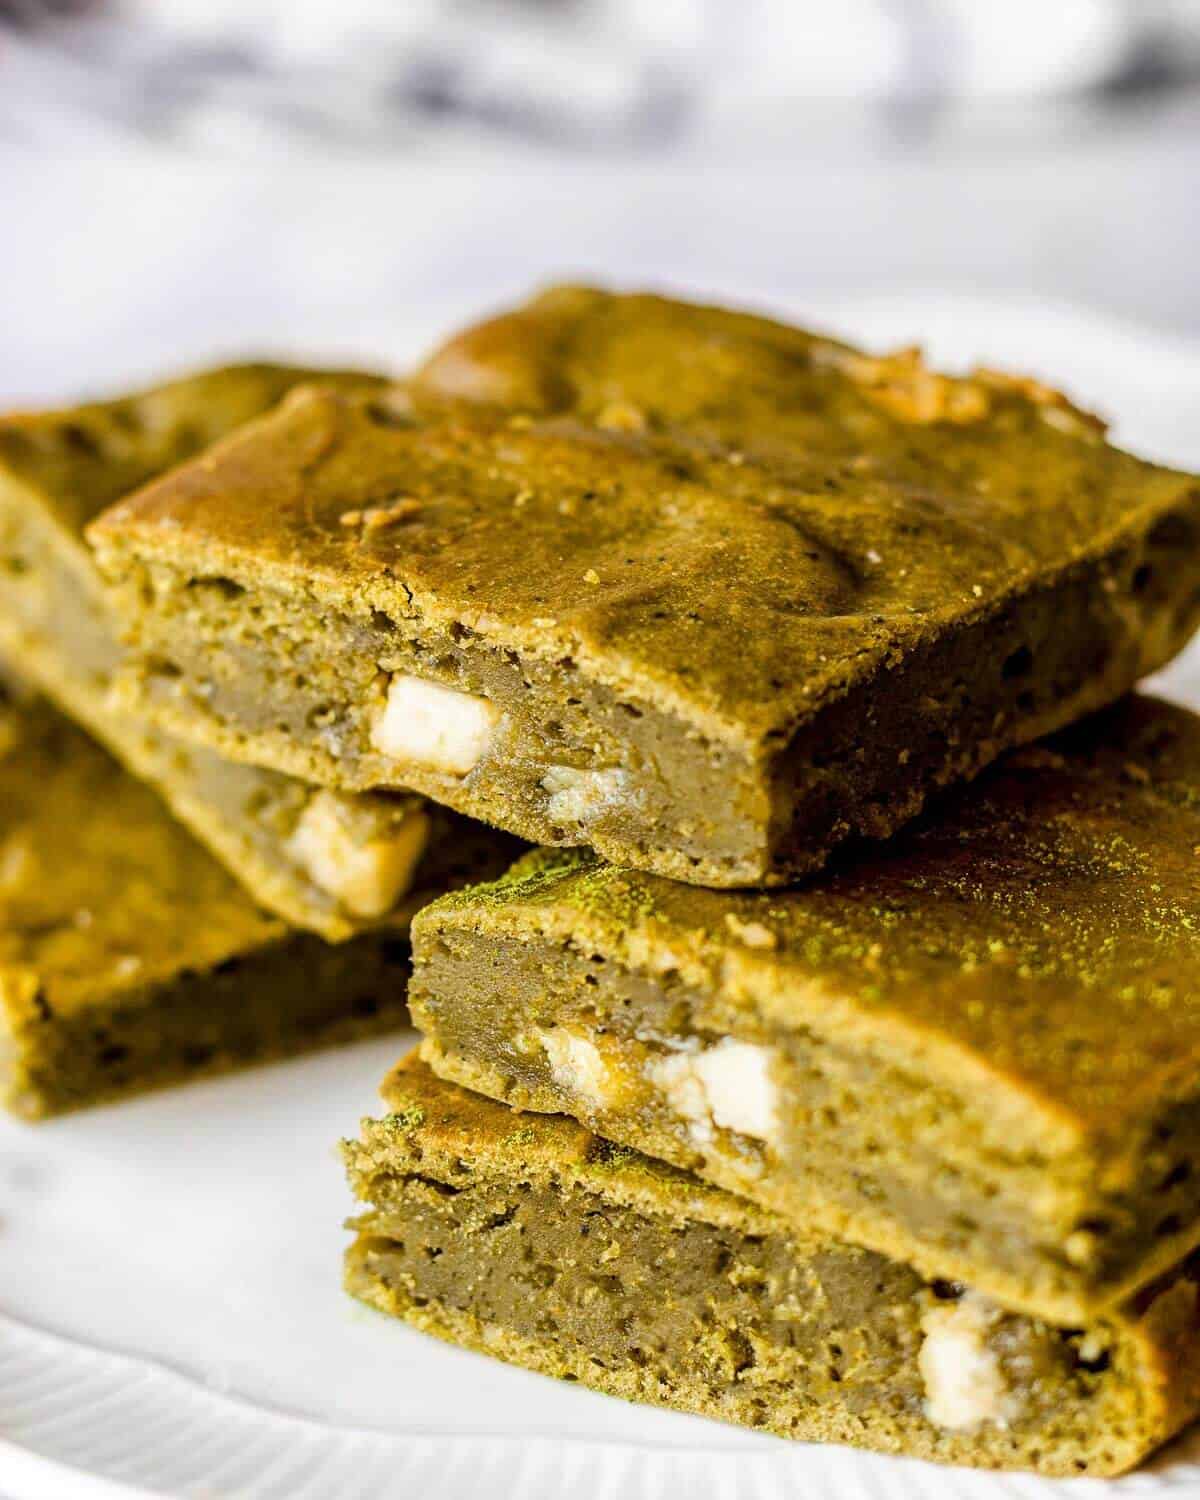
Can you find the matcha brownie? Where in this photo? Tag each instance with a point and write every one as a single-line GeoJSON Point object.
{"type": "Point", "coordinates": [129, 958]}
{"type": "Point", "coordinates": [323, 860]}
{"type": "Point", "coordinates": [719, 595]}
{"type": "Point", "coordinates": [976, 1049]}
{"type": "Point", "coordinates": [532, 1240]}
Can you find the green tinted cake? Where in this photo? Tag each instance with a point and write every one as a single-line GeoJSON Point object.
{"type": "Point", "coordinates": [528, 1238]}
{"type": "Point", "coordinates": [977, 1049]}
{"type": "Point", "coordinates": [716, 595]}
{"type": "Point", "coordinates": [129, 958]}
{"type": "Point", "coordinates": [322, 860]}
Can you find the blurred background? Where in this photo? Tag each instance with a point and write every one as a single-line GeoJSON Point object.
{"type": "Point", "coordinates": [186, 178]}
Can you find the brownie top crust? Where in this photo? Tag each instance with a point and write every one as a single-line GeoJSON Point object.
{"type": "Point", "coordinates": [1035, 936]}
{"type": "Point", "coordinates": [80, 459]}
{"type": "Point", "coordinates": [101, 891]}
{"type": "Point", "coordinates": [719, 515]}
{"type": "Point", "coordinates": [459, 1125]}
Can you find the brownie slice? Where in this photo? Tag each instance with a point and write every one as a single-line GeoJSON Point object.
{"type": "Point", "coordinates": [702, 591]}
{"type": "Point", "coordinates": [129, 958]}
{"type": "Point", "coordinates": [327, 861]}
{"type": "Point", "coordinates": [527, 1238]}
{"type": "Point", "coordinates": [977, 1049]}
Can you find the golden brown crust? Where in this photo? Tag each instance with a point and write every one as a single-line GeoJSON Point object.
{"type": "Point", "coordinates": [80, 459]}
{"type": "Point", "coordinates": [103, 889]}
{"type": "Point", "coordinates": [1040, 932]}
{"type": "Point", "coordinates": [57, 470]}
{"type": "Point", "coordinates": [1136, 1388]}
{"type": "Point", "coordinates": [747, 592]}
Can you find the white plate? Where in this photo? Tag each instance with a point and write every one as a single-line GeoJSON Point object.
{"type": "Point", "coordinates": [171, 1321]}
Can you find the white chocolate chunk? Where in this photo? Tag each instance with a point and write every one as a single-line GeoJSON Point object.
{"type": "Point", "coordinates": [433, 725]}
{"type": "Point", "coordinates": [576, 1064]}
{"type": "Point", "coordinates": [365, 872]}
{"type": "Point", "coordinates": [753, 934]}
{"type": "Point", "coordinates": [741, 1092]}
{"type": "Point", "coordinates": [729, 1085]}
{"type": "Point", "coordinates": [580, 796]}
{"type": "Point", "coordinates": [965, 1385]}
{"type": "Point", "coordinates": [677, 1077]}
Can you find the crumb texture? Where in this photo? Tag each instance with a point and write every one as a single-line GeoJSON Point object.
{"type": "Point", "coordinates": [975, 1049]}
{"type": "Point", "coordinates": [715, 594]}
{"type": "Point", "coordinates": [129, 958]}
{"type": "Point", "coordinates": [58, 469]}
{"type": "Point", "coordinates": [532, 1240]}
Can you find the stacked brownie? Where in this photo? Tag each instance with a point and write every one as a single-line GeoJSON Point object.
{"type": "Point", "coordinates": [133, 953]}
{"type": "Point", "coordinates": [833, 1065]}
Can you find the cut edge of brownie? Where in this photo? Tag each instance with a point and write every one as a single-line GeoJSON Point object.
{"type": "Point", "coordinates": [55, 619]}
{"type": "Point", "coordinates": [290, 996]}
{"type": "Point", "coordinates": [531, 1240]}
{"type": "Point", "coordinates": [227, 657]}
{"type": "Point", "coordinates": [573, 986]}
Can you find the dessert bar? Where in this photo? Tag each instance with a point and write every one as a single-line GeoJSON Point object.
{"type": "Point", "coordinates": [723, 595]}
{"type": "Point", "coordinates": [325, 861]}
{"type": "Point", "coordinates": [976, 1049]}
{"type": "Point", "coordinates": [129, 958]}
{"type": "Point", "coordinates": [527, 1238]}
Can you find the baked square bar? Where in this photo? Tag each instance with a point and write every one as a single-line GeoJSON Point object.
{"type": "Point", "coordinates": [530, 1239]}
{"type": "Point", "coordinates": [325, 861]}
{"type": "Point", "coordinates": [735, 593]}
{"type": "Point", "coordinates": [976, 1049]}
{"type": "Point", "coordinates": [129, 958]}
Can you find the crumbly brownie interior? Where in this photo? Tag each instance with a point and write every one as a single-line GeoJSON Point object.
{"type": "Point", "coordinates": [960, 1182]}
{"type": "Point", "coordinates": [869, 762]}
{"type": "Point", "coordinates": [291, 996]}
{"type": "Point", "coordinates": [307, 680]}
{"type": "Point", "coordinates": [57, 469]}
{"type": "Point", "coordinates": [300, 683]}
{"type": "Point", "coordinates": [54, 617]}
{"type": "Point", "coordinates": [787, 1331]}
{"type": "Point", "coordinates": [708, 654]}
